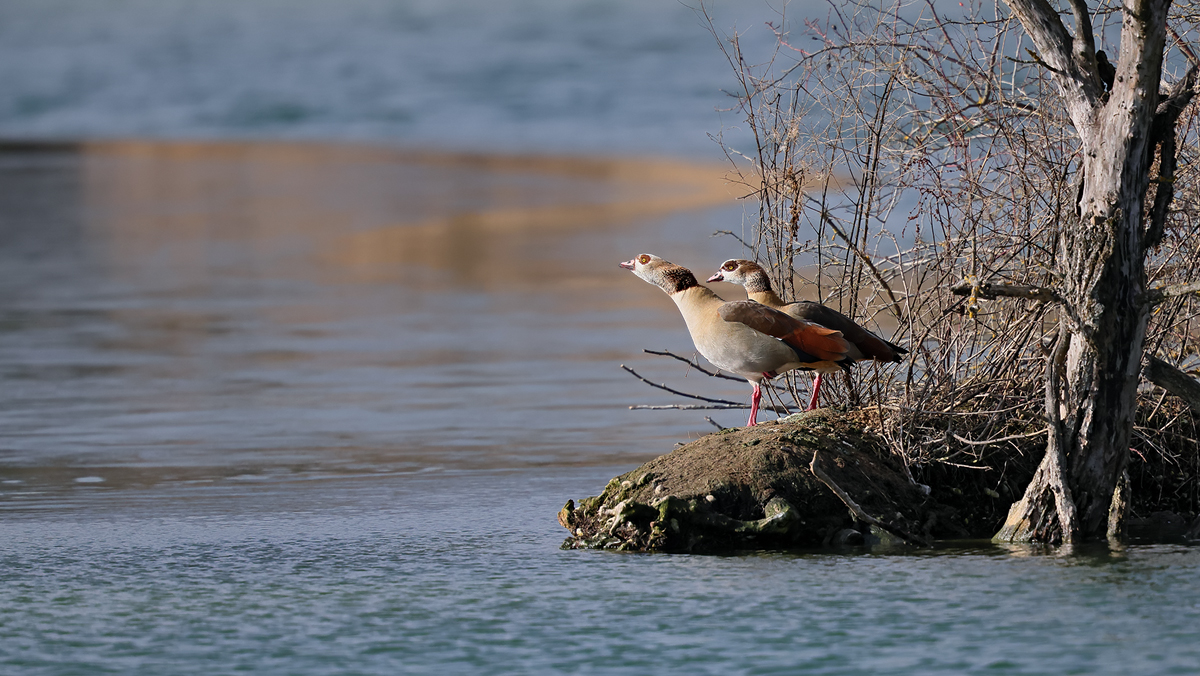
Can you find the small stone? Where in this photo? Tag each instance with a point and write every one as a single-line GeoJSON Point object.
{"type": "Point", "coordinates": [710, 498]}
{"type": "Point", "coordinates": [848, 537]}
{"type": "Point", "coordinates": [566, 516]}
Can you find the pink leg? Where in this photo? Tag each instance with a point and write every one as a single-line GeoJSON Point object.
{"type": "Point", "coordinates": [812, 403]}
{"type": "Point", "coordinates": [754, 399]}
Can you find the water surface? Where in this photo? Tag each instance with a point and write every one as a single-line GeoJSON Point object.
{"type": "Point", "coordinates": [199, 311]}
{"type": "Point", "coordinates": [301, 409]}
{"type": "Point", "coordinates": [462, 575]}
{"type": "Point", "coordinates": [606, 76]}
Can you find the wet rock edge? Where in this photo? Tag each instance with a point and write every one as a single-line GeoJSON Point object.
{"type": "Point", "coordinates": [752, 489]}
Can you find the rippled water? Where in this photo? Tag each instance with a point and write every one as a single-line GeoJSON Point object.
{"type": "Point", "coordinates": [193, 312]}
{"type": "Point", "coordinates": [565, 75]}
{"type": "Point", "coordinates": [258, 414]}
{"type": "Point", "coordinates": [462, 575]}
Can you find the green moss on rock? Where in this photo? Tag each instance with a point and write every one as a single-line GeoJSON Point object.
{"type": "Point", "coordinates": [751, 488]}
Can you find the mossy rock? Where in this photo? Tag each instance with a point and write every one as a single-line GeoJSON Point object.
{"type": "Point", "coordinates": [752, 488]}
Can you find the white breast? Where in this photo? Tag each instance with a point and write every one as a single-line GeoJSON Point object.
{"type": "Point", "coordinates": [731, 346]}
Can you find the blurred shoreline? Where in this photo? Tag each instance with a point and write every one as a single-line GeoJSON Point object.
{"type": "Point", "coordinates": [371, 210]}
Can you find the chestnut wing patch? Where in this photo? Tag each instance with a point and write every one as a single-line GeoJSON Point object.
{"type": "Point", "coordinates": [822, 343]}
{"type": "Point", "coordinates": [872, 346]}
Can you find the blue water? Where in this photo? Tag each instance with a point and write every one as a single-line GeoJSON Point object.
{"type": "Point", "coordinates": [312, 409]}
{"type": "Point", "coordinates": [430, 575]}
{"type": "Point", "coordinates": [553, 75]}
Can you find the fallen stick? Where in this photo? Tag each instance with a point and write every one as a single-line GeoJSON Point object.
{"type": "Point", "coordinates": [856, 510]}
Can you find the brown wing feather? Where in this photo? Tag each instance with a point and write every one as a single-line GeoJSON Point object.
{"type": "Point", "coordinates": [824, 343]}
{"type": "Point", "coordinates": [872, 346]}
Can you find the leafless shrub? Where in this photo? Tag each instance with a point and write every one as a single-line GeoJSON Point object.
{"type": "Point", "coordinates": [903, 160]}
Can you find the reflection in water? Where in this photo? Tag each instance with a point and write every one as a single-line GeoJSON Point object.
{"type": "Point", "coordinates": [529, 243]}
{"type": "Point", "coordinates": [369, 214]}
{"type": "Point", "coordinates": [185, 311]}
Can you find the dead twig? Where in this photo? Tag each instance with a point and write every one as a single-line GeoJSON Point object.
{"type": "Point", "coordinates": [662, 386]}
{"type": "Point", "coordinates": [992, 442]}
{"type": "Point", "coordinates": [732, 234]}
{"type": "Point", "coordinates": [989, 291]}
{"type": "Point", "coordinates": [693, 364]}
{"type": "Point", "coordinates": [856, 510]}
{"type": "Point", "coordinates": [689, 407]}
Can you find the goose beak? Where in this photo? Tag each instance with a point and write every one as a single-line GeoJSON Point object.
{"type": "Point", "coordinates": [628, 265]}
{"type": "Point", "coordinates": [717, 278]}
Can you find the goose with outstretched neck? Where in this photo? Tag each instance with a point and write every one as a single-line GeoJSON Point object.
{"type": "Point", "coordinates": [744, 337]}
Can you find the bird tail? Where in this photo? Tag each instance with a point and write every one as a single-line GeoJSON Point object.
{"type": "Point", "coordinates": [822, 343]}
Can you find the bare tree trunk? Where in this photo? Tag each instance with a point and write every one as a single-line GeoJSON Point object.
{"type": "Point", "coordinates": [935, 110]}
{"type": "Point", "coordinates": [1091, 394]}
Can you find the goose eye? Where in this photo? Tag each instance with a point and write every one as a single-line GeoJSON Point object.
{"type": "Point", "coordinates": [729, 267]}
{"type": "Point", "coordinates": [643, 259]}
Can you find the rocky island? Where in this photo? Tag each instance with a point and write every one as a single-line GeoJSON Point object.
{"type": "Point", "coordinates": [813, 479]}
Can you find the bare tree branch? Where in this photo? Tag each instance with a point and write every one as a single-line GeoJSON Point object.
{"type": "Point", "coordinates": [1085, 41]}
{"type": "Point", "coordinates": [693, 364]}
{"type": "Point", "coordinates": [677, 392]}
{"type": "Point", "coordinates": [1161, 293]}
{"type": "Point", "coordinates": [1081, 89]}
{"type": "Point", "coordinates": [1183, 45]}
{"type": "Point", "coordinates": [1000, 440]}
{"type": "Point", "coordinates": [691, 407]}
{"type": "Point", "coordinates": [1173, 380]}
{"type": "Point", "coordinates": [870, 265]}
{"type": "Point", "coordinates": [1164, 192]}
{"type": "Point", "coordinates": [990, 291]}
{"type": "Point", "coordinates": [715, 424]}
{"type": "Point", "coordinates": [1169, 109]}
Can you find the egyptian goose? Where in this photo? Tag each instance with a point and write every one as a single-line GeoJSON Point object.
{"type": "Point", "coordinates": [863, 344]}
{"type": "Point", "coordinates": [744, 337]}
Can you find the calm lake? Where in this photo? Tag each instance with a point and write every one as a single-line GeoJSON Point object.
{"type": "Point", "coordinates": [275, 406]}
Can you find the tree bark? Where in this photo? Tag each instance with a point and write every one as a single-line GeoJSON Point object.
{"type": "Point", "coordinates": [1103, 273]}
{"type": "Point", "coordinates": [1174, 381]}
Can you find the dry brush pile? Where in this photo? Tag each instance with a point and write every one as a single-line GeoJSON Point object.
{"type": "Point", "coordinates": [915, 171]}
